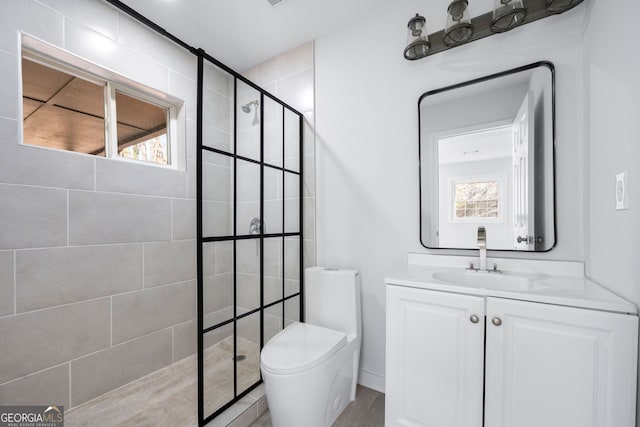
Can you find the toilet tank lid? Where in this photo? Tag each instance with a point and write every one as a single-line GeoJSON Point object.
{"type": "Point", "coordinates": [300, 347]}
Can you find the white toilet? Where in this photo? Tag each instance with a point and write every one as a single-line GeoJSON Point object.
{"type": "Point", "coordinates": [310, 370]}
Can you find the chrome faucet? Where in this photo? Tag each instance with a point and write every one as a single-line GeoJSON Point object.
{"type": "Point", "coordinates": [482, 246]}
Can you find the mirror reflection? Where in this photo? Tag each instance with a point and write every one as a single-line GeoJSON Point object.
{"type": "Point", "coordinates": [486, 160]}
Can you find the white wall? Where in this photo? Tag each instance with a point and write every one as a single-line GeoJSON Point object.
{"type": "Point", "coordinates": [612, 87]}
{"type": "Point", "coordinates": [367, 143]}
{"type": "Point", "coordinates": [613, 108]}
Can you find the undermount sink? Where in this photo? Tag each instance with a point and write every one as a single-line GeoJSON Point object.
{"type": "Point", "coordinates": [493, 280]}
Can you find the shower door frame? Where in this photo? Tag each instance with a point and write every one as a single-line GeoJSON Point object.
{"type": "Point", "coordinates": [201, 239]}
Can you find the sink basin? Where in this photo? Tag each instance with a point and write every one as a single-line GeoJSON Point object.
{"type": "Point", "coordinates": [494, 281]}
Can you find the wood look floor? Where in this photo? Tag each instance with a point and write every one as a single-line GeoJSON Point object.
{"type": "Point", "coordinates": [366, 411]}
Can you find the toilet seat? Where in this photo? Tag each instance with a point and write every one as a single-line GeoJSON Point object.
{"type": "Point", "coordinates": [300, 347]}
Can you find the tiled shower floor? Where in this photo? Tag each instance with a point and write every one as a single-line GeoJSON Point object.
{"type": "Point", "coordinates": [168, 397]}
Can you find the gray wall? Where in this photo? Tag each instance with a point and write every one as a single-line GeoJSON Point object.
{"type": "Point", "coordinates": [97, 256]}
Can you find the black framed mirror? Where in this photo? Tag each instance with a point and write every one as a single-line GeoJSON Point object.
{"type": "Point", "coordinates": [486, 153]}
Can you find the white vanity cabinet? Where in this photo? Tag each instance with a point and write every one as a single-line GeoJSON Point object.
{"type": "Point", "coordinates": [456, 360]}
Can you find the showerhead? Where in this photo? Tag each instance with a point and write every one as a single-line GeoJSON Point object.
{"type": "Point", "coordinates": [247, 107]}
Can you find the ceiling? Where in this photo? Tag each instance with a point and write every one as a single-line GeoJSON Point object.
{"type": "Point", "coordinates": [244, 33]}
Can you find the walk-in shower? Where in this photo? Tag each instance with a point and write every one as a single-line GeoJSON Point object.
{"type": "Point", "coordinates": [249, 230]}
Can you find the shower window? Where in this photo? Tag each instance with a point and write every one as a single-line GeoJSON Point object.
{"type": "Point", "coordinates": [67, 108]}
{"type": "Point", "coordinates": [249, 231]}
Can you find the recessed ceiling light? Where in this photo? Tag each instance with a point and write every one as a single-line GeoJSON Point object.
{"type": "Point", "coordinates": [274, 2]}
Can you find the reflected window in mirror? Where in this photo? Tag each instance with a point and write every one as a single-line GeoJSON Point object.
{"type": "Point", "coordinates": [477, 199]}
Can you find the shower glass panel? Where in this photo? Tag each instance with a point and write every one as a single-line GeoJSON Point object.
{"type": "Point", "coordinates": [217, 201]}
{"type": "Point", "coordinates": [217, 111]}
{"type": "Point", "coordinates": [247, 359]}
{"type": "Point", "coordinates": [273, 131]}
{"type": "Point", "coordinates": [248, 196]}
{"type": "Point", "coordinates": [291, 202]}
{"type": "Point", "coordinates": [272, 321]}
{"type": "Point", "coordinates": [273, 207]}
{"type": "Point", "coordinates": [218, 276]}
{"type": "Point", "coordinates": [292, 138]}
{"type": "Point", "coordinates": [273, 270]}
{"type": "Point", "coordinates": [248, 112]}
{"type": "Point", "coordinates": [247, 275]}
{"type": "Point", "coordinates": [218, 368]}
{"type": "Point", "coordinates": [291, 310]}
{"type": "Point", "coordinates": [291, 265]}
{"type": "Point", "coordinates": [249, 205]}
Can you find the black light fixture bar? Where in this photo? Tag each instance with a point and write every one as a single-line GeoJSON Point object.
{"type": "Point", "coordinates": [536, 10]}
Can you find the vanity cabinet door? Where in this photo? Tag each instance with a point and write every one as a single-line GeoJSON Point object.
{"type": "Point", "coordinates": [556, 366]}
{"type": "Point", "coordinates": [434, 358]}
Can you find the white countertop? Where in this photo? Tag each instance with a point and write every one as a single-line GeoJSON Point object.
{"type": "Point", "coordinates": [554, 282]}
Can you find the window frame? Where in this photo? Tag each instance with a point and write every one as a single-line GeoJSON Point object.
{"type": "Point", "coordinates": [499, 178]}
{"type": "Point", "coordinates": [112, 82]}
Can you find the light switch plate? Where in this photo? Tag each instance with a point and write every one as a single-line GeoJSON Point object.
{"type": "Point", "coordinates": [622, 192]}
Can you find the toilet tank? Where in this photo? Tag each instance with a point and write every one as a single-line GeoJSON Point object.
{"type": "Point", "coordinates": [332, 299]}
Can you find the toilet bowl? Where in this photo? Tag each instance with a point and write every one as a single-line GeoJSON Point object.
{"type": "Point", "coordinates": [310, 370]}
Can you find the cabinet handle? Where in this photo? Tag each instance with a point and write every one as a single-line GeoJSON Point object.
{"type": "Point", "coordinates": [496, 321]}
{"type": "Point", "coordinates": [474, 318]}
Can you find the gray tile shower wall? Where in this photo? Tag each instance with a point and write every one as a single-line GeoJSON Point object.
{"type": "Point", "coordinates": [97, 256]}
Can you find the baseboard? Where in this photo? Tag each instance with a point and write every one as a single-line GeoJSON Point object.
{"type": "Point", "coordinates": [371, 380]}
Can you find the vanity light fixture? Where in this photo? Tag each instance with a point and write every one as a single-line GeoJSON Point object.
{"type": "Point", "coordinates": [418, 44]}
{"type": "Point", "coordinates": [559, 6]}
{"type": "Point", "coordinates": [507, 14]}
{"type": "Point", "coordinates": [417, 38]}
{"type": "Point", "coordinates": [461, 28]}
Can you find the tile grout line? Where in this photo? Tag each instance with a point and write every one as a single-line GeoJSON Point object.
{"type": "Point", "coordinates": [145, 195]}
{"type": "Point", "coordinates": [68, 215]}
{"type": "Point", "coordinates": [39, 371]}
{"type": "Point", "coordinates": [90, 245]}
{"type": "Point", "coordinates": [15, 282]}
{"type": "Point", "coordinates": [183, 282]}
{"type": "Point", "coordinates": [111, 321]}
{"type": "Point", "coordinates": [143, 254]}
{"type": "Point", "coordinates": [171, 217]}
{"type": "Point", "coordinates": [95, 175]}
{"type": "Point", "coordinates": [70, 404]}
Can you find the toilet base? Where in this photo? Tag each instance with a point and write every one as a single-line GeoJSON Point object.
{"type": "Point", "coordinates": [317, 397]}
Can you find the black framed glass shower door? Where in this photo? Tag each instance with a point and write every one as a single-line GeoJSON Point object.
{"type": "Point", "coordinates": [249, 229]}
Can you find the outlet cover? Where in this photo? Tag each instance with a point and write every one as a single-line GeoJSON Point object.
{"type": "Point", "coordinates": [622, 192]}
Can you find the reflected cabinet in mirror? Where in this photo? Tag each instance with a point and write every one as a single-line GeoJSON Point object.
{"type": "Point", "coordinates": [487, 160]}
